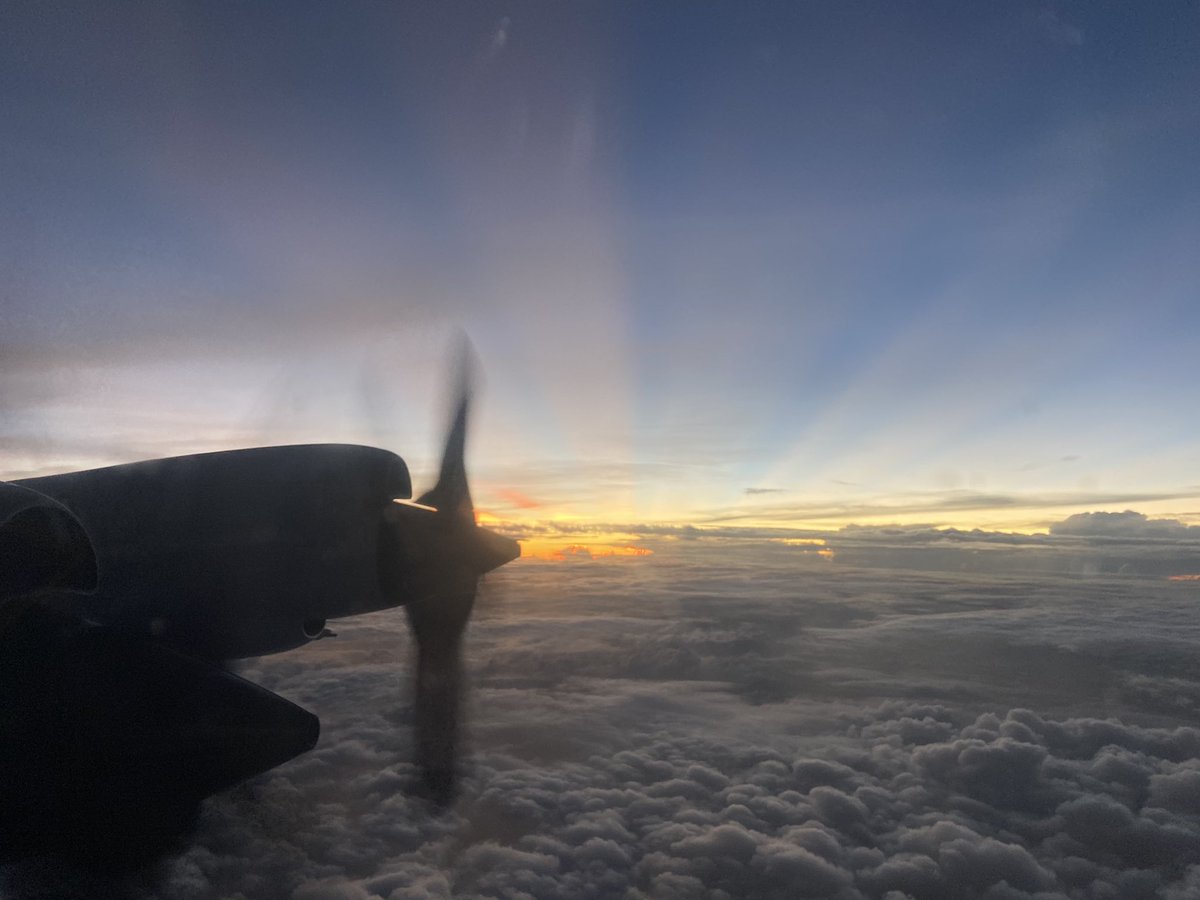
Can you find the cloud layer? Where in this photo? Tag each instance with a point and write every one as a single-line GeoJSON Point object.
{"type": "Point", "coordinates": [709, 724]}
{"type": "Point", "coordinates": [1091, 543]}
{"type": "Point", "coordinates": [684, 727]}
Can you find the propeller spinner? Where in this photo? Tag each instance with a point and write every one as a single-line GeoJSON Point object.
{"type": "Point", "coordinates": [436, 556]}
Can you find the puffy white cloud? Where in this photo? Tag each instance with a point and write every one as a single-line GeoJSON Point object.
{"type": "Point", "coordinates": [681, 816]}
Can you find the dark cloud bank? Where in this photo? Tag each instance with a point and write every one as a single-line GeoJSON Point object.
{"type": "Point", "coordinates": [711, 724]}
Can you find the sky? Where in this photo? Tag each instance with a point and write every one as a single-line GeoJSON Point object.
{"type": "Point", "coordinates": [724, 265]}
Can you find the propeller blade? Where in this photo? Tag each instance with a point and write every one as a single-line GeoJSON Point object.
{"type": "Point", "coordinates": [451, 495]}
{"type": "Point", "coordinates": [458, 553]}
{"type": "Point", "coordinates": [438, 623]}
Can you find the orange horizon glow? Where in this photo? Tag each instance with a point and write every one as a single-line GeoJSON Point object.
{"type": "Point", "coordinates": [559, 551]}
{"type": "Point", "coordinates": [561, 535]}
{"type": "Point", "coordinates": [608, 524]}
{"type": "Point", "coordinates": [824, 551]}
{"type": "Point", "coordinates": [1032, 522]}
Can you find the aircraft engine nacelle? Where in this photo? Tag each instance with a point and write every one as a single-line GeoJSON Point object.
{"type": "Point", "coordinates": [237, 553]}
{"type": "Point", "coordinates": [42, 545]}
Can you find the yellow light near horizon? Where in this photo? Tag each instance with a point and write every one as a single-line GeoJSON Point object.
{"type": "Point", "coordinates": [823, 551]}
{"type": "Point", "coordinates": [562, 550]}
{"type": "Point", "coordinates": [602, 530]}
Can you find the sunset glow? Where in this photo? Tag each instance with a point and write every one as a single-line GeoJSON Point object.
{"type": "Point", "coordinates": [558, 551]}
{"type": "Point", "coordinates": [815, 545]}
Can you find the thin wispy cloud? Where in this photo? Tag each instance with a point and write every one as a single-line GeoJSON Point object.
{"type": "Point", "coordinates": [933, 504]}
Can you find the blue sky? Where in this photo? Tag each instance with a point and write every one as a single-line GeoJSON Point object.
{"type": "Point", "coordinates": [875, 262]}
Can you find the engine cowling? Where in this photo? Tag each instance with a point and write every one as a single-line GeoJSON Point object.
{"type": "Point", "coordinates": [230, 554]}
{"type": "Point", "coordinates": [42, 545]}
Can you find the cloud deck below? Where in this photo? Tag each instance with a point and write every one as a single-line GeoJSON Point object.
{"type": "Point", "coordinates": [681, 727]}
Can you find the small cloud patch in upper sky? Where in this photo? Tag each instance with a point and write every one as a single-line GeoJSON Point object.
{"type": "Point", "coordinates": [1034, 465]}
{"type": "Point", "coordinates": [1059, 31]}
{"type": "Point", "coordinates": [516, 498]}
{"type": "Point", "coordinates": [752, 491]}
{"type": "Point", "coordinates": [500, 37]}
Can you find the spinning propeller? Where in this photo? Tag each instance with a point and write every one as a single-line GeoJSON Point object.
{"type": "Point", "coordinates": [436, 555]}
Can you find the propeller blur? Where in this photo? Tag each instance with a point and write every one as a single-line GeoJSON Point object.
{"type": "Point", "coordinates": [124, 590]}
